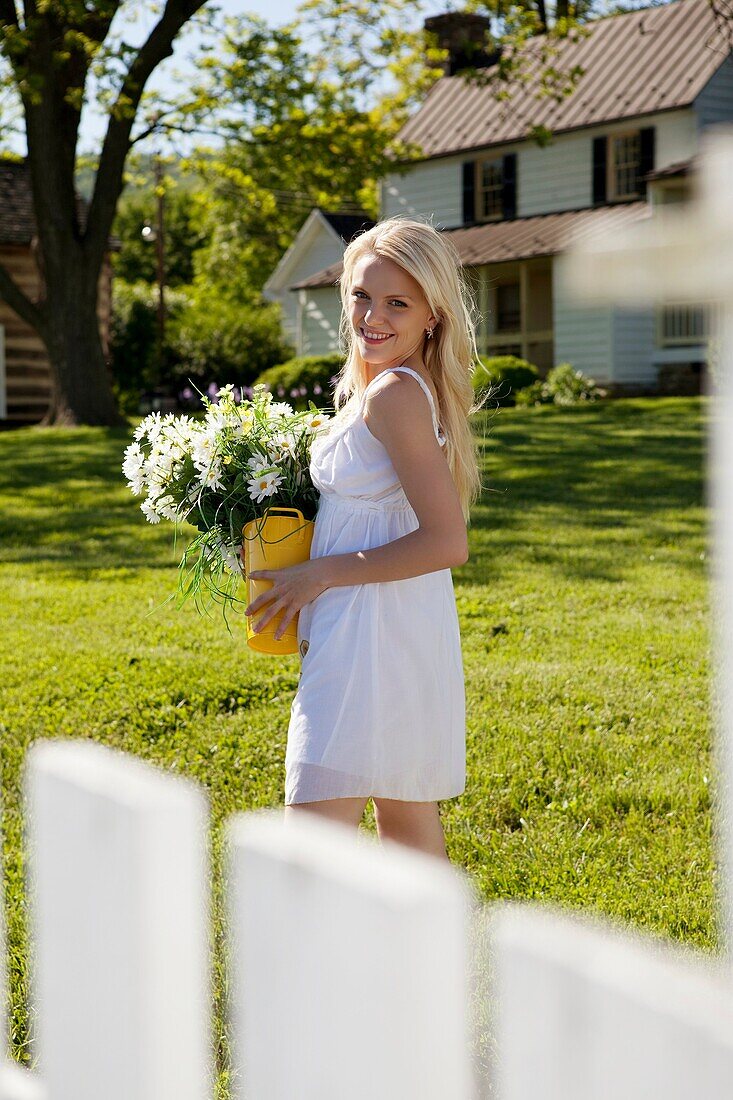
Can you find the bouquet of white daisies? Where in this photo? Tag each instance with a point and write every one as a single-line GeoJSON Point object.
{"type": "Point", "coordinates": [218, 474]}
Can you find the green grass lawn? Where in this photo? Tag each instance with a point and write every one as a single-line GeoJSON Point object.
{"type": "Point", "coordinates": [584, 618]}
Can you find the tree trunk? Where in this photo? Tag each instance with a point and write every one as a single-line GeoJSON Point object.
{"type": "Point", "coordinates": [82, 383]}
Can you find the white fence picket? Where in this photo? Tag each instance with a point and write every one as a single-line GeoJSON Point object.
{"type": "Point", "coordinates": [119, 912]}
{"type": "Point", "coordinates": [349, 965]}
{"type": "Point", "coordinates": [16, 1083]}
{"type": "Point", "coordinates": [590, 1012]}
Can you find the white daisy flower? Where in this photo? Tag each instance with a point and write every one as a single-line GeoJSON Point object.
{"type": "Point", "coordinates": [137, 485]}
{"type": "Point", "coordinates": [284, 445]}
{"type": "Point", "coordinates": [148, 509]}
{"type": "Point", "coordinates": [212, 477]}
{"type": "Point", "coordinates": [258, 461]}
{"type": "Point", "coordinates": [133, 461]}
{"type": "Point", "coordinates": [264, 486]}
{"type": "Point", "coordinates": [203, 451]}
{"type": "Point", "coordinates": [314, 421]}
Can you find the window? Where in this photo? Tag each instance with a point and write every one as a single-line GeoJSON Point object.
{"type": "Point", "coordinates": [621, 162]}
{"type": "Point", "coordinates": [624, 165]}
{"type": "Point", "coordinates": [681, 324]}
{"type": "Point", "coordinates": [508, 314]}
{"type": "Point", "coordinates": [490, 187]}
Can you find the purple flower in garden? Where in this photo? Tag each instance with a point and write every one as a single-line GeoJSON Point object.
{"type": "Point", "coordinates": [280, 391]}
{"type": "Point", "coordinates": [317, 388]}
{"type": "Point", "coordinates": [334, 378]}
{"type": "Point", "coordinates": [187, 393]}
{"type": "Point", "coordinates": [213, 389]}
{"type": "Point", "coordinates": [235, 394]}
{"type": "Point", "coordinates": [303, 391]}
{"type": "Point", "coordinates": [247, 391]}
{"type": "Point", "coordinates": [295, 392]}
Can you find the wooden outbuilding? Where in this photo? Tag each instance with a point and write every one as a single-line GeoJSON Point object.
{"type": "Point", "coordinates": [25, 371]}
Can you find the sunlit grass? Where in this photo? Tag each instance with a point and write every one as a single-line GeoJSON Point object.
{"type": "Point", "coordinates": [584, 620]}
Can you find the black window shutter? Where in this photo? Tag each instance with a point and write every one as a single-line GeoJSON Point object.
{"type": "Point", "coordinates": [509, 186]}
{"type": "Point", "coordinates": [469, 192]}
{"type": "Point", "coordinates": [600, 145]}
{"type": "Point", "coordinates": [646, 160]}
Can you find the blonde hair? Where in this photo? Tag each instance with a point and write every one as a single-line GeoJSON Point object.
{"type": "Point", "coordinates": [450, 356]}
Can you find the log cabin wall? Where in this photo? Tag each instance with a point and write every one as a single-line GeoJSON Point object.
{"type": "Point", "coordinates": [28, 380]}
{"type": "Point", "coordinates": [26, 393]}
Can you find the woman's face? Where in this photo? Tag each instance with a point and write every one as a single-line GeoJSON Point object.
{"type": "Point", "coordinates": [386, 303]}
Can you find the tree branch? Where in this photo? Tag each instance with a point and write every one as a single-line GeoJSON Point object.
{"type": "Point", "coordinates": [19, 301]}
{"type": "Point", "coordinates": [108, 182]}
{"type": "Point", "coordinates": [8, 13]}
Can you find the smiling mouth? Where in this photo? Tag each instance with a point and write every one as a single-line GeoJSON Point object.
{"type": "Point", "coordinates": [380, 339]}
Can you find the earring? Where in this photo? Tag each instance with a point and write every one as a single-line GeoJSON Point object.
{"type": "Point", "coordinates": [429, 332]}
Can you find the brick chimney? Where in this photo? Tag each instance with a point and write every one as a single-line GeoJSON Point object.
{"type": "Point", "coordinates": [464, 35]}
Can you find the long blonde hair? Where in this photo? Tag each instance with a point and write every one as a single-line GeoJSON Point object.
{"type": "Point", "coordinates": [451, 355]}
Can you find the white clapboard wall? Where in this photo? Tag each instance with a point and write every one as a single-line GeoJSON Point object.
{"type": "Point", "coordinates": [356, 970]}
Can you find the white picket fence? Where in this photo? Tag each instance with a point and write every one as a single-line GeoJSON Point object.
{"type": "Point", "coordinates": [356, 970]}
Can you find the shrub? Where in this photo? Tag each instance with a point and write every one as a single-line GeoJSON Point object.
{"type": "Point", "coordinates": [563, 386]}
{"type": "Point", "coordinates": [229, 340]}
{"type": "Point", "coordinates": [135, 363]}
{"type": "Point", "coordinates": [534, 395]}
{"type": "Point", "coordinates": [507, 374]}
{"type": "Point", "coordinates": [304, 378]}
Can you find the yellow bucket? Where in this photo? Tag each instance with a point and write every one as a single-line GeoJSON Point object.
{"type": "Point", "coordinates": [273, 542]}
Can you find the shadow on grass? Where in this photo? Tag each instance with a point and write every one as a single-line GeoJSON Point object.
{"type": "Point", "coordinates": [64, 502]}
{"type": "Point", "coordinates": [608, 475]}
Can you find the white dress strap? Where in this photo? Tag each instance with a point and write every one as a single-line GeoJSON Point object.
{"type": "Point", "coordinates": [414, 373]}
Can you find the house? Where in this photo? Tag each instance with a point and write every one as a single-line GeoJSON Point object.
{"type": "Point", "coordinates": [319, 243]}
{"type": "Point", "coordinates": [25, 371]}
{"type": "Point", "coordinates": [623, 142]}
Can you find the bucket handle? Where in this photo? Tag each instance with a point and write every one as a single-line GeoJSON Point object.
{"type": "Point", "coordinates": [279, 508]}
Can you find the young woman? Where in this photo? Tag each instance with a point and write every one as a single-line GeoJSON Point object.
{"type": "Point", "coordinates": [380, 707]}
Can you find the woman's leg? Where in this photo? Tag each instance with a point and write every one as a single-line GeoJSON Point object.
{"type": "Point", "coordinates": [347, 810]}
{"type": "Point", "coordinates": [416, 824]}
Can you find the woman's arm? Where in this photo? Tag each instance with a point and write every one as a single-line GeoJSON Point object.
{"type": "Point", "coordinates": [441, 540]}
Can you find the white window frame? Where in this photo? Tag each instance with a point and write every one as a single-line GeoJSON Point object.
{"type": "Point", "coordinates": [481, 191]}
{"type": "Point", "coordinates": [611, 189]}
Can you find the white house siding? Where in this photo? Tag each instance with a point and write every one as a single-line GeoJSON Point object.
{"type": "Point", "coordinates": [321, 310]}
{"type": "Point", "coordinates": [430, 189]}
{"type": "Point", "coordinates": [556, 177]}
{"type": "Point", "coordinates": [324, 251]}
{"type": "Point", "coordinates": [583, 335]}
{"type": "Point", "coordinates": [715, 102]}
{"type": "Point", "coordinates": [633, 335]}
{"type": "Point", "coordinates": [560, 176]}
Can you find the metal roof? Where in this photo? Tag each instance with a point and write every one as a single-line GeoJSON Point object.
{"type": "Point", "coordinates": [518, 239]}
{"type": "Point", "coordinates": [679, 168]}
{"type": "Point", "coordinates": [654, 59]}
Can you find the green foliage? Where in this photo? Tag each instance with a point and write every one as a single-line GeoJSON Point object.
{"type": "Point", "coordinates": [225, 340]}
{"type": "Point", "coordinates": [136, 365]}
{"type": "Point", "coordinates": [304, 127]}
{"type": "Point", "coordinates": [564, 385]}
{"type": "Point", "coordinates": [136, 260]}
{"type": "Point", "coordinates": [506, 374]}
{"type": "Point", "coordinates": [312, 376]}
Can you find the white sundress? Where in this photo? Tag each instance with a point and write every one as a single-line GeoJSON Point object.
{"type": "Point", "coordinates": [380, 705]}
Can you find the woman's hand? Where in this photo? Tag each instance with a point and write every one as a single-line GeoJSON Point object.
{"type": "Point", "coordinates": [293, 586]}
